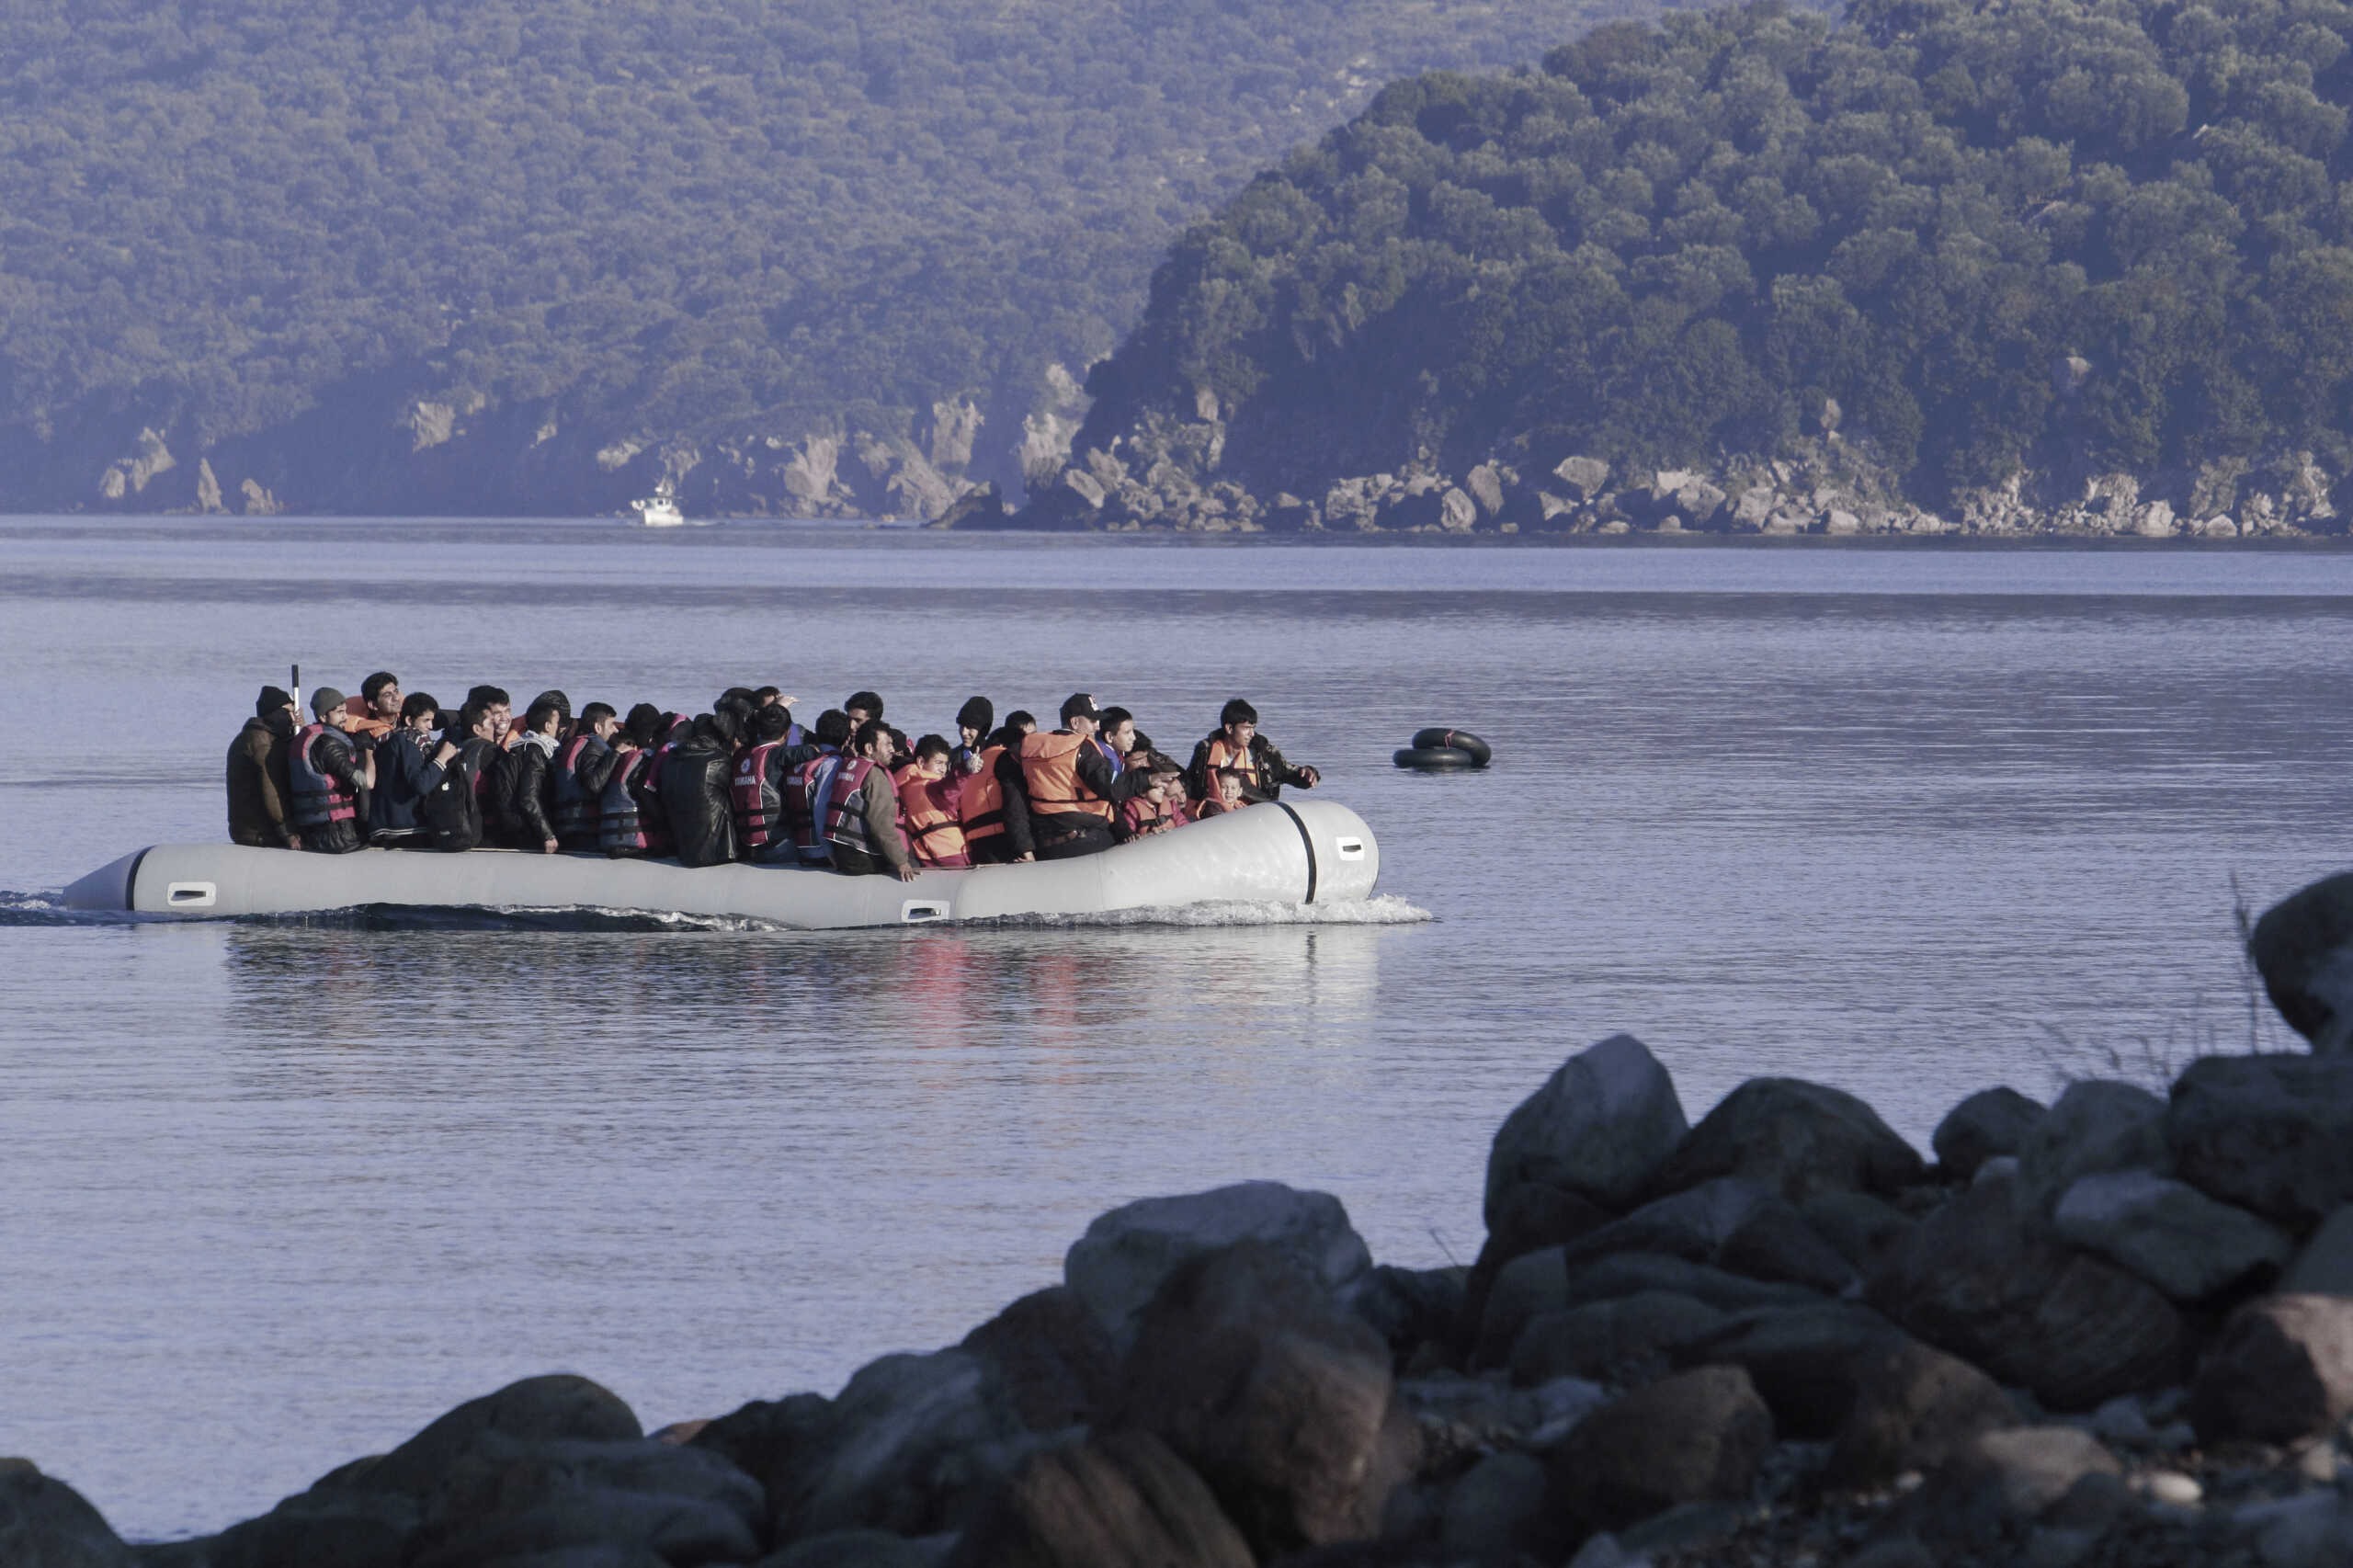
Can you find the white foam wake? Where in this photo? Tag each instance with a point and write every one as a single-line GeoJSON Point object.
{"type": "Point", "coordinates": [1386, 909]}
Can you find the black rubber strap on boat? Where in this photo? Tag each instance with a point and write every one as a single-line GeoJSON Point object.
{"type": "Point", "coordinates": [130, 880]}
{"type": "Point", "coordinates": [1307, 842]}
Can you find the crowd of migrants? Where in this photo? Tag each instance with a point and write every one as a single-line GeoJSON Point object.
{"type": "Point", "coordinates": [741, 782]}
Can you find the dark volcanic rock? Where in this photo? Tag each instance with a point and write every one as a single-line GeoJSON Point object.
{"type": "Point", "coordinates": [2270, 1133]}
{"type": "Point", "coordinates": [1600, 1127]}
{"type": "Point", "coordinates": [2168, 1232]}
{"type": "Point", "coordinates": [1696, 1435]}
{"type": "Point", "coordinates": [913, 1444]}
{"type": "Point", "coordinates": [1733, 1224]}
{"type": "Point", "coordinates": [1796, 1137]}
{"type": "Point", "coordinates": [1988, 1123]}
{"type": "Point", "coordinates": [1971, 1280]}
{"type": "Point", "coordinates": [1122, 1498]}
{"type": "Point", "coordinates": [2325, 1266]}
{"type": "Point", "coordinates": [1807, 1362]}
{"type": "Point", "coordinates": [684, 1532]}
{"type": "Point", "coordinates": [2281, 1370]}
{"type": "Point", "coordinates": [776, 1442]}
{"type": "Point", "coordinates": [1126, 1255]}
{"type": "Point", "coordinates": [2001, 1480]}
{"type": "Point", "coordinates": [1409, 1307]}
{"type": "Point", "coordinates": [46, 1524]}
{"type": "Point", "coordinates": [1914, 1407]}
{"type": "Point", "coordinates": [555, 1406]}
{"type": "Point", "coordinates": [1529, 1217]}
{"type": "Point", "coordinates": [1623, 1274]}
{"type": "Point", "coordinates": [2303, 949]}
{"type": "Point", "coordinates": [1281, 1400]}
{"type": "Point", "coordinates": [2095, 1128]}
{"type": "Point", "coordinates": [1859, 1228]}
{"type": "Point", "coordinates": [1058, 1366]}
{"type": "Point", "coordinates": [1602, 1337]}
{"type": "Point", "coordinates": [1496, 1509]}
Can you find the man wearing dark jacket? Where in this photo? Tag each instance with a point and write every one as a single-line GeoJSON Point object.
{"type": "Point", "coordinates": [1060, 797]}
{"type": "Point", "coordinates": [257, 787]}
{"type": "Point", "coordinates": [328, 779]}
{"type": "Point", "coordinates": [451, 811]}
{"type": "Point", "coordinates": [1237, 744]}
{"type": "Point", "coordinates": [408, 765]}
{"type": "Point", "coordinates": [695, 776]}
{"type": "Point", "coordinates": [530, 779]}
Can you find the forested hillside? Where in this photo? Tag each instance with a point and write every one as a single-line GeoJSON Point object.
{"type": "Point", "coordinates": [490, 254]}
{"type": "Point", "coordinates": [1997, 261]}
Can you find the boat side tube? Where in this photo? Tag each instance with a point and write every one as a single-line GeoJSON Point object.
{"type": "Point", "coordinates": [1307, 852]}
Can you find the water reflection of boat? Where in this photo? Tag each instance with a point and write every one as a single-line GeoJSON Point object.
{"type": "Point", "coordinates": [659, 510]}
{"type": "Point", "coordinates": [1280, 853]}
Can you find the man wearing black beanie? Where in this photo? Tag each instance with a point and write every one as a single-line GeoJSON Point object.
{"type": "Point", "coordinates": [973, 721]}
{"type": "Point", "coordinates": [257, 784]}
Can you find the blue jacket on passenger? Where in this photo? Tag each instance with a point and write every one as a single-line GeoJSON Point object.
{"type": "Point", "coordinates": [405, 775]}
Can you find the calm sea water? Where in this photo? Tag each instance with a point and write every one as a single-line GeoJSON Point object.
{"type": "Point", "coordinates": [1911, 821]}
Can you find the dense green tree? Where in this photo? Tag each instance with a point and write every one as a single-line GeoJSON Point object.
{"type": "Point", "coordinates": [2116, 227]}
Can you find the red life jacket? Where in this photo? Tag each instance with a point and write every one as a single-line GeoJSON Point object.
{"type": "Point", "coordinates": [1050, 769]}
{"type": "Point", "coordinates": [981, 808]}
{"type": "Point", "coordinates": [843, 818]}
{"type": "Point", "coordinates": [934, 836]}
{"type": "Point", "coordinates": [754, 800]}
{"type": "Point", "coordinates": [319, 798]}
{"type": "Point", "coordinates": [804, 805]}
{"type": "Point", "coordinates": [619, 825]}
{"type": "Point", "coordinates": [575, 810]}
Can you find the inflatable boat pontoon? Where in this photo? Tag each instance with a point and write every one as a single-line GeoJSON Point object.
{"type": "Point", "coordinates": [1303, 852]}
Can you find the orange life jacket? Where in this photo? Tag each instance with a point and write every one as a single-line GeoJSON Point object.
{"type": "Point", "coordinates": [1050, 769]}
{"type": "Point", "coordinates": [1223, 753]}
{"type": "Point", "coordinates": [933, 834]}
{"type": "Point", "coordinates": [981, 808]}
{"type": "Point", "coordinates": [365, 717]}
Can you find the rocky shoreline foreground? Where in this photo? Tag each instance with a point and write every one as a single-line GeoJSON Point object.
{"type": "Point", "coordinates": [2114, 1330]}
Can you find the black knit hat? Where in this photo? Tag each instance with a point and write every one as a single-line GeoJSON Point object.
{"type": "Point", "coordinates": [271, 699]}
{"type": "Point", "coordinates": [978, 714]}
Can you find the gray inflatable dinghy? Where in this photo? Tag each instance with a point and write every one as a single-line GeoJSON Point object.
{"type": "Point", "coordinates": [1304, 852]}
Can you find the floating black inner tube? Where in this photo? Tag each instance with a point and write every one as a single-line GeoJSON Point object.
{"type": "Point", "coordinates": [1436, 759]}
{"type": "Point", "coordinates": [1457, 740]}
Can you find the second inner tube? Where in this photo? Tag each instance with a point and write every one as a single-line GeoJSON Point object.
{"type": "Point", "coordinates": [1458, 740]}
{"type": "Point", "coordinates": [1436, 759]}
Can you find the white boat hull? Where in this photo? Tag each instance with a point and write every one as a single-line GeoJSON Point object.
{"type": "Point", "coordinates": [1303, 852]}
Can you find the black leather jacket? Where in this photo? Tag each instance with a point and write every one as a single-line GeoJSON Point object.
{"type": "Point", "coordinates": [693, 786]}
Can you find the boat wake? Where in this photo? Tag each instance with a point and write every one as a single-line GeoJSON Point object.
{"type": "Point", "coordinates": [1387, 909]}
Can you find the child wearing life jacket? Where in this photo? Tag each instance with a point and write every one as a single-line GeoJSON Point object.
{"type": "Point", "coordinates": [1229, 796]}
{"type": "Point", "coordinates": [1161, 806]}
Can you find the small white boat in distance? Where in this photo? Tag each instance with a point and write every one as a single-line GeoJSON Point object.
{"type": "Point", "coordinates": [659, 510]}
{"type": "Point", "coordinates": [1310, 852]}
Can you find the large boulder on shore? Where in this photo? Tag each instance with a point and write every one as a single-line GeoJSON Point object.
{"type": "Point", "coordinates": [1796, 1137]}
{"type": "Point", "coordinates": [2303, 949]}
{"type": "Point", "coordinates": [913, 1444]}
{"type": "Point", "coordinates": [1734, 1224]}
{"type": "Point", "coordinates": [1695, 1436]}
{"type": "Point", "coordinates": [2281, 1370]}
{"type": "Point", "coordinates": [554, 1406]}
{"type": "Point", "coordinates": [2168, 1232]}
{"type": "Point", "coordinates": [1058, 1366]}
{"type": "Point", "coordinates": [1125, 1256]}
{"type": "Point", "coordinates": [1600, 1127]}
{"type": "Point", "coordinates": [2273, 1135]}
{"type": "Point", "coordinates": [1914, 1408]}
{"type": "Point", "coordinates": [1281, 1400]}
{"type": "Point", "coordinates": [2325, 1266]}
{"type": "Point", "coordinates": [1599, 1339]}
{"type": "Point", "coordinates": [1121, 1497]}
{"type": "Point", "coordinates": [1987, 1125]}
{"type": "Point", "coordinates": [1972, 1279]}
{"type": "Point", "coordinates": [2001, 1481]}
{"type": "Point", "coordinates": [510, 1497]}
{"type": "Point", "coordinates": [46, 1524]}
{"type": "Point", "coordinates": [2095, 1127]}
{"type": "Point", "coordinates": [1808, 1363]}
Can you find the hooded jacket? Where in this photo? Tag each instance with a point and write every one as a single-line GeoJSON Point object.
{"type": "Point", "coordinates": [530, 784]}
{"type": "Point", "coordinates": [258, 790]}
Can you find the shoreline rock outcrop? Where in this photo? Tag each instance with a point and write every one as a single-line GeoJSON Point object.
{"type": "Point", "coordinates": [2117, 1332]}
